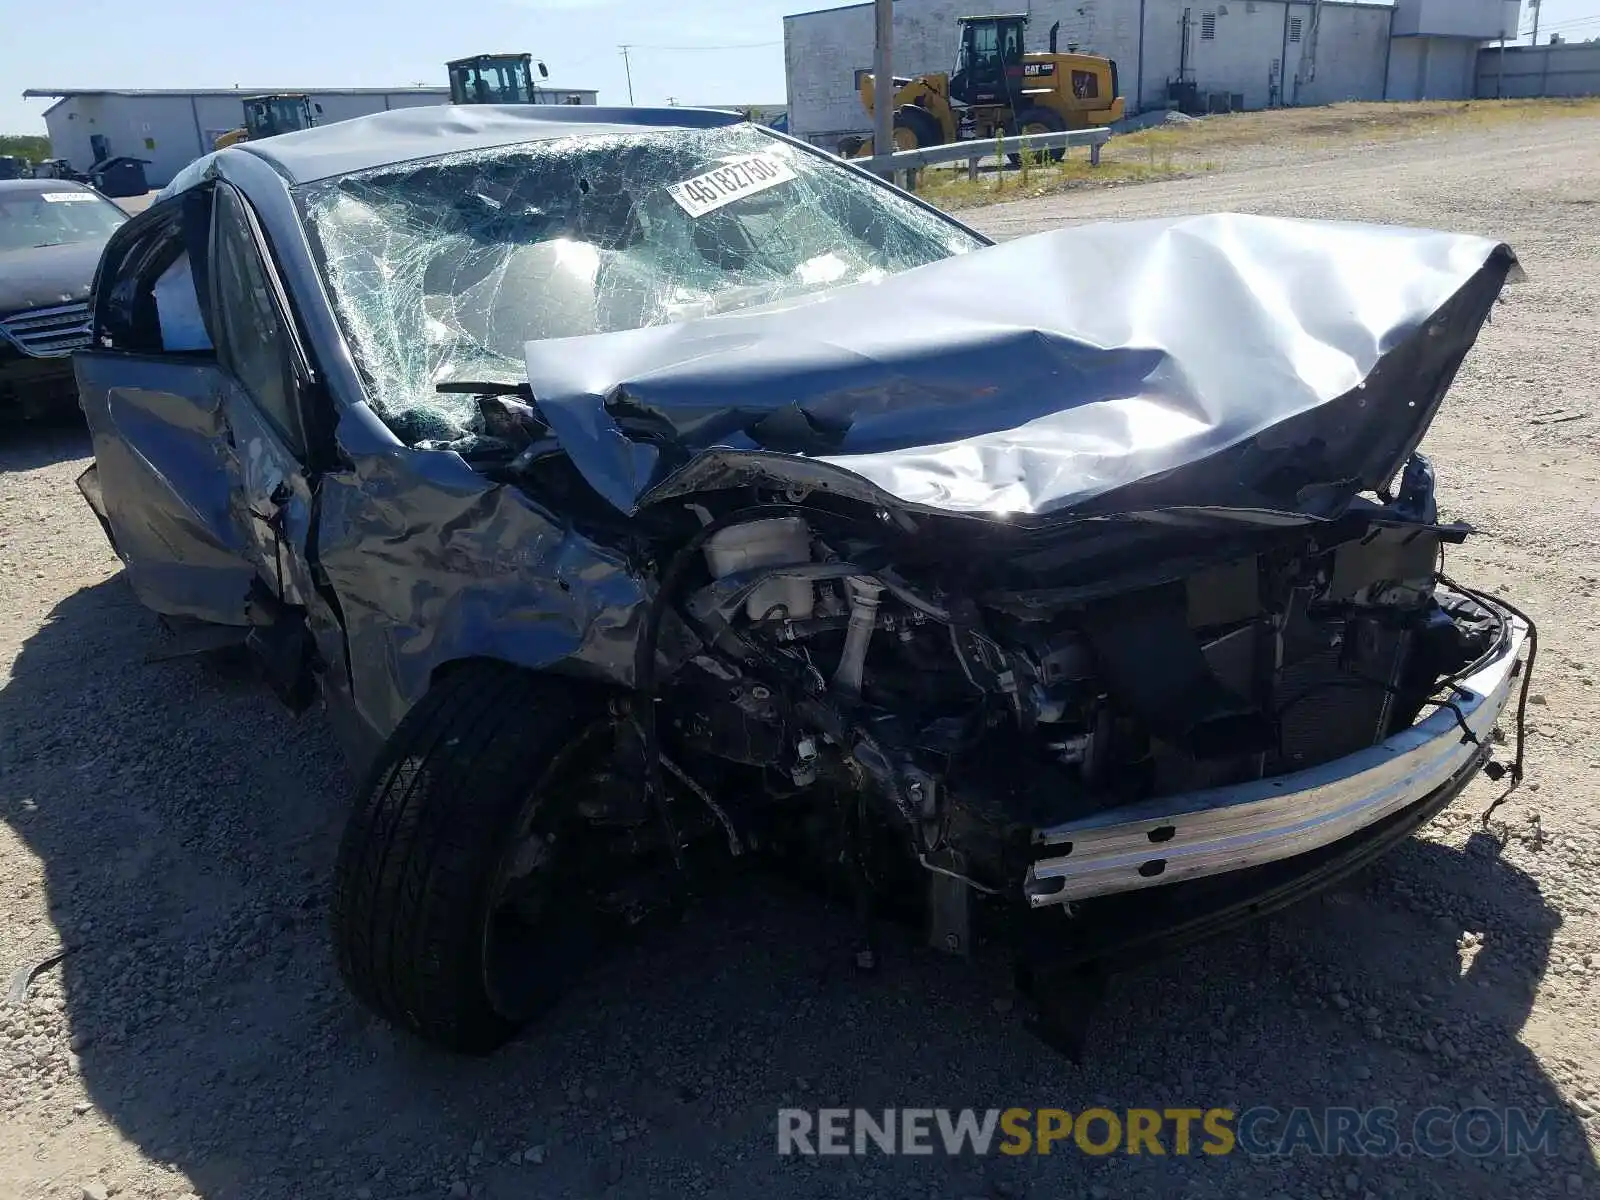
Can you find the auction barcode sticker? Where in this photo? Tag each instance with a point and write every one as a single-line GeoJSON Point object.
{"type": "Point", "coordinates": [68, 197]}
{"type": "Point", "coordinates": [731, 181]}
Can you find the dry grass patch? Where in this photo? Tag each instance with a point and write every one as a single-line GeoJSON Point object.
{"type": "Point", "coordinates": [1196, 147]}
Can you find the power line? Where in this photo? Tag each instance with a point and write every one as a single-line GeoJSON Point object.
{"type": "Point", "coordinates": [1571, 21]}
{"type": "Point", "coordinates": [1568, 23]}
{"type": "Point", "coordinates": [728, 46]}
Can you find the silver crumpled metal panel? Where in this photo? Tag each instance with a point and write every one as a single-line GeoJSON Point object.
{"type": "Point", "coordinates": [432, 563]}
{"type": "Point", "coordinates": [1222, 360]}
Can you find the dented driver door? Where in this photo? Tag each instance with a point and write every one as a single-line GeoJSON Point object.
{"type": "Point", "coordinates": [152, 394]}
{"type": "Point", "coordinates": [267, 380]}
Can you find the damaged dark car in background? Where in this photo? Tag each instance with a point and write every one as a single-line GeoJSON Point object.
{"type": "Point", "coordinates": [640, 491]}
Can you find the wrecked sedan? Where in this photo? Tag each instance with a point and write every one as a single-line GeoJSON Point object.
{"type": "Point", "coordinates": [51, 235]}
{"type": "Point", "coordinates": [645, 490]}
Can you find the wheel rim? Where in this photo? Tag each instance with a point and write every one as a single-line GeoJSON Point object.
{"type": "Point", "coordinates": [1036, 127]}
{"type": "Point", "coordinates": [904, 139]}
{"type": "Point", "coordinates": [542, 923]}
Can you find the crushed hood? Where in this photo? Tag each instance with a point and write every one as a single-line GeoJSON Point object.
{"type": "Point", "coordinates": [1220, 361]}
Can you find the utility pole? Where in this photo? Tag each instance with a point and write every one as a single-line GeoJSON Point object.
{"type": "Point", "coordinates": [627, 70]}
{"type": "Point", "coordinates": [882, 81]}
{"type": "Point", "coordinates": [1534, 4]}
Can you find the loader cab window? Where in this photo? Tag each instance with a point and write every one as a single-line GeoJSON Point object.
{"type": "Point", "coordinates": [491, 81]}
{"type": "Point", "coordinates": [1011, 44]}
{"type": "Point", "coordinates": [980, 52]}
{"type": "Point", "coordinates": [988, 47]}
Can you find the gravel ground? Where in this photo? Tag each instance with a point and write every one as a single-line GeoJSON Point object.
{"type": "Point", "coordinates": [174, 829]}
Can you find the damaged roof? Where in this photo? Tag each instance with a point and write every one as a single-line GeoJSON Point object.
{"type": "Point", "coordinates": [409, 134]}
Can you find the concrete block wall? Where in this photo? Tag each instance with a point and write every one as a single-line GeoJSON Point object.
{"type": "Point", "coordinates": [1245, 55]}
{"type": "Point", "coordinates": [1432, 68]}
{"type": "Point", "coordinates": [1255, 54]}
{"type": "Point", "coordinates": [1352, 54]}
{"type": "Point", "coordinates": [1572, 69]}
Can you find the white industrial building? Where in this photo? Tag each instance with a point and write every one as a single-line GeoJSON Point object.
{"type": "Point", "coordinates": [1247, 50]}
{"type": "Point", "coordinates": [1433, 54]}
{"type": "Point", "coordinates": [170, 128]}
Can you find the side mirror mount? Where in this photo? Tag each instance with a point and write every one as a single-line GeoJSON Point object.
{"type": "Point", "coordinates": [544, 71]}
{"type": "Point", "coordinates": [318, 107]}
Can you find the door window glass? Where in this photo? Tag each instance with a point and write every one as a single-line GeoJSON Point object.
{"type": "Point", "coordinates": [1012, 50]}
{"type": "Point", "coordinates": [152, 295]}
{"type": "Point", "coordinates": [253, 343]}
{"type": "Point", "coordinates": [985, 48]}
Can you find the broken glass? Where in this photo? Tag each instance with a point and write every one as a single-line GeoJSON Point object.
{"type": "Point", "coordinates": [441, 270]}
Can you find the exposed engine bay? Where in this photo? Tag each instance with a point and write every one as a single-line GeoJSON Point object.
{"type": "Point", "coordinates": [905, 701]}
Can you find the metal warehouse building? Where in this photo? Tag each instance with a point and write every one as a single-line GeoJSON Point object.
{"type": "Point", "coordinates": [1249, 49]}
{"type": "Point", "coordinates": [171, 128]}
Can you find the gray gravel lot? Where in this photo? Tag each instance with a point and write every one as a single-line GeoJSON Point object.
{"type": "Point", "coordinates": [174, 828]}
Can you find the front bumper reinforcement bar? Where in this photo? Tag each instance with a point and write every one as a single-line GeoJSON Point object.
{"type": "Point", "coordinates": [1210, 832]}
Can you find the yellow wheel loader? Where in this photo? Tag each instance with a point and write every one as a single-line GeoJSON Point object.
{"type": "Point", "coordinates": [495, 79]}
{"type": "Point", "coordinates": [997, 89]}
{"type": "Point", "coordinates": [268, 116]}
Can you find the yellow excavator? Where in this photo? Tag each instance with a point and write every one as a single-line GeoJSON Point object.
{"type": "Point", "coordinates": [268, 116]}
{"type": "Point", "coordinates": [997, 88]}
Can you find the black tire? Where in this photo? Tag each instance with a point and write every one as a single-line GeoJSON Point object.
{"type": "Point", "coordinates": [1038, 119]}
{"type": "Point", "coordinates": [458, 790]}
{"type": "Point", "coordinates": [918, 123]}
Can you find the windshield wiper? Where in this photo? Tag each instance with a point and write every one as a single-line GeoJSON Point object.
{"type": "Point", "coordinates": [506, 411]}
{"type": "Point", "coordinates": [486, 387]}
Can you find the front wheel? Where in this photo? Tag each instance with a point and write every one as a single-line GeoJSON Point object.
{"type": "Point", "coordinates": [916, 128]}
{"type": "Point", "coordinates": [461, 895]}
{"type": "Point", "coordinates": [1039, 120]}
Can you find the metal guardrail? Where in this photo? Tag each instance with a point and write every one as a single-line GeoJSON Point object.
{"type": "Point", "coordinates": [975, 150]}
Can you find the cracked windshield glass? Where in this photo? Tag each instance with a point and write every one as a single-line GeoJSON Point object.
{"type": "Point", "coordinates": [441, 270]}
{"type": "Point", "coordinates": [33, 220]}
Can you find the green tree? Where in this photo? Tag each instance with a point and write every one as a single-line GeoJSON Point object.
{"type": "Point", "coordinates": [32, 146]}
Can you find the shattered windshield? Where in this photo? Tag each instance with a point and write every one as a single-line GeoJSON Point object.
{"type": "Point", "coordinates": [441, 270]}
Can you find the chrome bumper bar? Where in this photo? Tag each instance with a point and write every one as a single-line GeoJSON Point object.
{"type": "Point", "coordinates": [1224, 829]}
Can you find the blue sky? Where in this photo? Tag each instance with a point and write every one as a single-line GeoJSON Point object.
{"type": "Point", "coordinates": [378, 43]}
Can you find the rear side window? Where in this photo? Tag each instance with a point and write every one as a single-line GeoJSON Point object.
{"type": "Point", "coordinates": [151, 294]}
